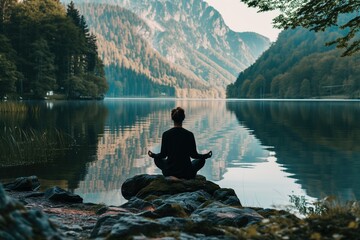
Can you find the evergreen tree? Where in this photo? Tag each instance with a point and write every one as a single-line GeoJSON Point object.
{"type": "Point", "coordinates": [9, 75]}
{"type": "Point", "coordinates": [317, 15]}
{"type": "Point", "coordinates": [297, 55]}
{"type": "Point", "coordinates": [73, 14]}
{"type": "Point", "coordinates": [92, 53]}
{"type": "Point", "coordinates": [44, 70]}
{"type": "Point", "coordinates": [51, 48]}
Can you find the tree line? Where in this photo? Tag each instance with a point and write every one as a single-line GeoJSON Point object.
{"type": "Point", "coordinates": [45, 46]}
{"type": "Point", "coordinates": [317, 16]}
{"type": "Point", "coordinates": [128, 82]}
{"type": "Point", "coordinates": [300, 65]}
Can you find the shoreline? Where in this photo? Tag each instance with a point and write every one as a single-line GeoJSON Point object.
{"type": "Point", "coordinates": [166, 209]}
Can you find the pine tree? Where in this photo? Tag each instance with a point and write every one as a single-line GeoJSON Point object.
{"type": "Point", "coordinates": [44, 70]}
{"type": "Point", "coordinates": [9, 75]}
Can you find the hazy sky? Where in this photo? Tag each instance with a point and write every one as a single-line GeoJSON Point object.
{"type": "Point", "coordinates": [240, 18]}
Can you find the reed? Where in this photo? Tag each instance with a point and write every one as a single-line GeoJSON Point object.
{"type": "Point", "coordinates": [29, 146]}
{"type": "Point", "coordinates": [13, 107]}
{"type": "Point", "coordinates": [327, 207]}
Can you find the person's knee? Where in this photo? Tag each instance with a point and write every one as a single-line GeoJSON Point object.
{"type": "Point", "coordinates": [160, 163]}
{"type": "Point", "coordinates": [198, 164]}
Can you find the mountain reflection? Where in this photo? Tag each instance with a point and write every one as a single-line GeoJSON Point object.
{"type": "Point", "coordinates": [316, 142]}
{"type": "Point", "coordinates": [122, 148]}
{"type": "Point", "coordinates": [136, 126]}
{"type": "Point", "coordinates": [265, 150]}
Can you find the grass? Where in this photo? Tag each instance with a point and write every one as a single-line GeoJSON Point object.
{"type": "Point", "coordinates": [20, 146]}
{"type": "Point", "coordinates": [326, 219]}
{"type": "Point", "coordinates": [28, 146]}
{"type": "Point", "coordinates": [328, 206]}
{"type": "Point", "coordinates": [18, 107]}
{"type": "Point", "coordinates": [13, 107]}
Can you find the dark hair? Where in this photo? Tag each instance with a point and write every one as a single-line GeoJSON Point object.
{"type": "Point", "coordinates": [178, 115]}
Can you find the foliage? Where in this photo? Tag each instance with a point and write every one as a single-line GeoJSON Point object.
{"type": "Point", "coordinates": [132, 68]}
{"type": "Point", "coordinates": [188, 54]}
{"type": "Point", "coordinates": [307, 208]}
{"type": "Point", "coordinates": [43, 47]}
{"type": "Point", "coordinates": [127, 82]}
{"type": "Point", "coordinates": [29, 146]}
{"type": "Point", "coordinates": [317, 15]}
{"type": "Point", "coordinates": [311, 69]}
{"type": "Point", "coordinates": [9, 74]}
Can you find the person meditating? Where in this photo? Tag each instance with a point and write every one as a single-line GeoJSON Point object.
{"type": "Point", "coordinates": [177, 148]}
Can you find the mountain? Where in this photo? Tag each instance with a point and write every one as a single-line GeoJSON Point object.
{"type": "Point", "coordinates": [181, 44]}
{"type": "Point", "coordinates": [300, 65]}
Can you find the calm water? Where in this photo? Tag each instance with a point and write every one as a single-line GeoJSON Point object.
{"type": "Point", "coordinates": [265, 150]}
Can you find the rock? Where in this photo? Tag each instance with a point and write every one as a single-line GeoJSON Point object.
{"type": "Point", "coordinates": [217, 213]}
{"type": "Point", "coordinates": [138, 204]}
{"type": "Point", "coordinates": [102, 210]}
{"type": "Point", "coordinates": [34, 195]}
{"type": "Point", "coordinates": [72, 234]}
{"type": "Point", "coordinates": [133, 185]}
{"type": "Point", "coordinates": [167, 209]}
{"type": "Point", "coordinates": [189, 201]}
{"type": "Point", "coordinates": [144, 185]}
{"type": "Point", "coordinates": [176, 223]}
{"type": "Point", "coordinates": [60, 195]}
{"type": "Point", "coordinates": [227, 196]}
{"type": "Point", "coordinates": [74, 228]}
{"type": "Point", "coordinates": [23, 184]}
{"type": "Point", "coordinates": [4, 199]}
{"type": "Point", "coordinates": [193, 209]}
{"type": "Point", "coordinates": [123, 226]}
{"type": "Point", "coordinates": [157, 207]}
{"type": "Point", "coordinates": [16, 222]}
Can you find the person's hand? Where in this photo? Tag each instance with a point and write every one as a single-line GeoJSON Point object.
{"type": "Point", "coordinates": [151, 154]}
{"type": "Point", "coordinates": [208, 155]}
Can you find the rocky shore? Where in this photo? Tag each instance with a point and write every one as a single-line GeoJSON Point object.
{"type": "Point", "coordinates": [158, 208]}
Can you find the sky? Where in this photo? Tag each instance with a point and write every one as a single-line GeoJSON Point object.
{"type": "Point", "coordinates": [240, 18]}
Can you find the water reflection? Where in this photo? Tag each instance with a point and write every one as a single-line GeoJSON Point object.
{"type": "Point", "coordinates": [82, 121]}
{"type": "Point", "coordinates": [264, 150]}
{"type": "Point", "coordinates": [316, 142]}
{"type": "Point", "coordinates": [134, 127]}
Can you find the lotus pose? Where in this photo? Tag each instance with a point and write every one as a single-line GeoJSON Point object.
{"type": "Point", "coordinates": [177, 148]}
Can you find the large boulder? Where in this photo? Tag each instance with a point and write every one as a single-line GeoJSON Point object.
{"type": "Point", "coordinates": [16, 222]}
{"type": "Point", "coordinates": [186, 209]}
{"type": "Point", "coordinates": [133, 185]}
{"type": "Point", "coordinates": [144, 185]}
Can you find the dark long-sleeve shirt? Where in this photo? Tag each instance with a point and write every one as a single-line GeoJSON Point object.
{"type": "Point", "coordinates": [178, 147]}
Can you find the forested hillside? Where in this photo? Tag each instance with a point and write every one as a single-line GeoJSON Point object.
{"type": "Point", "coordinates": [133, 68]}
{"type": "Point", "coordinates": [180, 44]}
{"type": "Point", "coordinates": [299, 65]}
{"type": "Point", "coordinates": [47, 48]}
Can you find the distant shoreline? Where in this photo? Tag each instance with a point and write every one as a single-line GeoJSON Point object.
{"type": "Point", "coordinates": [241, 99]}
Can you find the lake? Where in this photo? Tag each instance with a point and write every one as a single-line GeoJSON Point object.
{"type": "Point", "coordinates": [264, 150]}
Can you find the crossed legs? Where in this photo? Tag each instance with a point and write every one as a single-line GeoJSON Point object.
{"type": "Point", "coordinates": [196, 164]}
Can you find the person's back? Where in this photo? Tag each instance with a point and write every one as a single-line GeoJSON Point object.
{"type": "Point", "coordinates": [177, 146]}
